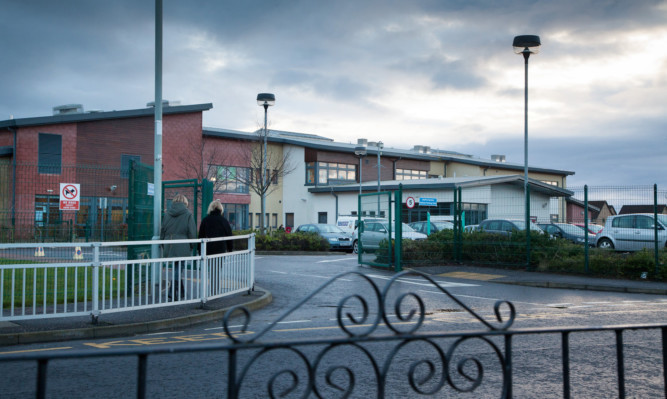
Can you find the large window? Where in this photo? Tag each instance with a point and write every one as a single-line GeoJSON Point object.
{"type": "Point", "coordinates": [409, 174]}
{"type": "Point", "coordinates": [50, 153]}
{"type": "Point", "coordinates": [323, 173]}
{"type": "Point", "coordinates": [231, 179]}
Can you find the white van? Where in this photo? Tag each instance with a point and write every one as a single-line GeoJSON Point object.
{"type": "Point", "coordinates": [349, 223]}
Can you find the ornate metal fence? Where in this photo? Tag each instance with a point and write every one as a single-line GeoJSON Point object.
{"type": "Point", "coordinates": [375, 355]}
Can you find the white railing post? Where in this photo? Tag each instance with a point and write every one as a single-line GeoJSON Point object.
{"type": "Point", "coordinates": [96, 281]}
{"type": "Point", "coordinates": [203, 266]}
{"type": "Point", "coordinates": [251, 253]}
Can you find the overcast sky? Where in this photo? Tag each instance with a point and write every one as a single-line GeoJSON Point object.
{"type": "Point", "coordinates": [439, 73]}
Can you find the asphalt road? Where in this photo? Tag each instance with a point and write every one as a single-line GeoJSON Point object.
{"type": "Point", "coordinates": [536, 358]}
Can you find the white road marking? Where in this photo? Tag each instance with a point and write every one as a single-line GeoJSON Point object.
{"type": "Point", "coordinates": [559, 305]}
{"type": "Point", "coordinates": [275, 271]}
{"type": "Point", "coordinates": [295, 321]}
{"type": "Point", "coordinates": [441, 283]}
{"type": "Point", "coordinates": [166, 332]}
{"type": "Point", "coordinates": [335, 260]}
{"type": "Point", "coordinates": [597, 303]}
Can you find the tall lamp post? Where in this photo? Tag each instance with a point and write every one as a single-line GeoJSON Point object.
{"type": "Point", "coordinates": [264, 100]}
{"type": "Point", "coordinates": [526, 45]}
{"type": "Point", "coordinates": [360, 151]}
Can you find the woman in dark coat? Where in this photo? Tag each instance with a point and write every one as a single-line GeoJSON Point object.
{"type": "Point", "coordinates": [178, 224]}
{"type": "Point", "coordinates": [215, 225]}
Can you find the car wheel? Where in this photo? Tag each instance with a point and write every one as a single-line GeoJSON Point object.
{"type": "Point", "coordinates": [355, 247]}
{"type": "Point", "coordinates": [605, 243]}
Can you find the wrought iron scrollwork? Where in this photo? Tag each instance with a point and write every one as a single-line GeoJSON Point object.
{"type": "Point", "coordinates": [328, 372]}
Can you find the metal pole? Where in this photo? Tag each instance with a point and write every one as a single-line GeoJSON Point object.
{"type": "Point", "coordinates": [359, 174]}
{"type": "Point", "coordinates": [157, 166]}
{"type": "Point", "coordinates": [526, 54]}
{"type": "Point", "coordinates": [655, 227]}
{"type": "Point", "coordinates": [586, 228]}
{"type": "Point", "coordinates": [263, 174]}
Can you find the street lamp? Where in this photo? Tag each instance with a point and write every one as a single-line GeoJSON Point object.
{"type": "Point", "coordinates": [526, 45]}
{"type": "Point", "coordinates": [360, 151]}
{"type": "Point", "coordinates": [264, 100]}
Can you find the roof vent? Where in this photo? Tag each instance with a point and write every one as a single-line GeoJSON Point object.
{"type": "Point", "coordinates": [498, 158]}
{"type": "Point", "coordinates": [165, 103]}
{"type": "Point", "coordinates": [417, 148]}
{"type": "Point", "coordinates": [68, 109]}
{"type": "Point", "coordinates": [362, 142]}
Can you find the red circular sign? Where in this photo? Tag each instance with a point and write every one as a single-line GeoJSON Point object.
{"type": "Point", "coordinates": [69, 191]}
{"type": "Point", "coordinates": [410, 202]}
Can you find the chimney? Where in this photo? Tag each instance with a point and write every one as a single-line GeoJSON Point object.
{"type": "Point", "coordinates": [498, 158]}
{"type": "Point", "coordinates": [68, 109]}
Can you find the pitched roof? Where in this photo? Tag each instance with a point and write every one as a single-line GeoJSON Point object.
{"type": "Point", "coordinates": [625, 209]}
{"type": "Point", "coordinates": [326, 144]}
{"type": "Point", "coordinates": [94, 116]}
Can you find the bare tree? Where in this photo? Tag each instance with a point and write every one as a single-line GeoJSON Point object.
{"type": "Point", "coordinates": [215, 163]}
{"type": "Point", "coordinates": [264, 181]}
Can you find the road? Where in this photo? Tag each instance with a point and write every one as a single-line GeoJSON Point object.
{"type": "Point", "coordinates": [536, 358]}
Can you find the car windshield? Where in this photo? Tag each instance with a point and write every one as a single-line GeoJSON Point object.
{"type": "Point", "coordinates": [663, 219]}
{"type": "Point", "coordinates": [443, 225]}
{"type": "Point", "coordinates": [571, 229]}
{"type": "Point", "coordinates": [407, 228]}
{"type": "Point", "coordinates": [329, 228]}
{"type": "Point", "coordinates": [521, 225]}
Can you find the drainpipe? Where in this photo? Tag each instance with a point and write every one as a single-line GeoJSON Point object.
{"type": "Point", "coordinates": [13, 178]}
{"type": "Point", "coordinates": [393, 171]}
{"type": "Point", "coordinates": [336, 196]}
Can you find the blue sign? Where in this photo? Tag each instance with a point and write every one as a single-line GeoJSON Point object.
{"type": "Point", "coordinates": [428, 202]}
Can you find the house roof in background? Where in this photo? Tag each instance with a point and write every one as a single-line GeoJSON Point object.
{"type": "Point", "coordinates": [625, 209]}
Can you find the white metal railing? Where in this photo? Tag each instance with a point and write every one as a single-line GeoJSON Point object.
{"type": "Point", "coordinates": [72, 279]}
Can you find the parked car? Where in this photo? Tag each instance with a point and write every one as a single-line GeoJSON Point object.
{"type": "Point", "coordinates": [505, 226]}
{"type": "Point", "coordinates": [349, 223]}
{"type": "Point", "coordinates": [567, 231]}
{"type": "Point", "coordinates": [375, 231]}
{"type": "Point", "coordinates": [592, 228]}
{"type": "Point", "coordinates": [632, 232]}
{"type": "Point", "coordinates": [435, 226]}
{"type": "Point", "coordinates": [338, 239]}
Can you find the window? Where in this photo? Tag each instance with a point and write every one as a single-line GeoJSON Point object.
{"type": "Point", "coordinates": [644, 222]}
{"type": "Point", "coordinates": [250, 220]}
{"type": "Point", "coordinates": [274, 220]}
{"type": "Point", "coordinates": [257, 221]}
{"type": "Point", "coordinates": [409, 174]}
{"type": "Point", "coordinates": [321, 217]}
{"type": "Point", "coordinates": [274, 177]}
{"type": "Point", "coordinates": [289, 220]}
{"type": "Point", "coordinates": [625, 222]}
{"type": "Point", "coordinates": [50, 153]}
{"type": "Point", "coordinates": [231, 179]}
{"type": "Point", "coordinates": [125, 162]}
{"type": "Point", "coordinates": [322, 173]}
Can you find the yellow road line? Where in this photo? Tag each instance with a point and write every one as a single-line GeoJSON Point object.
{"type": "Point", "coordinates": [471, 276]}
{"type": "Point", "coordinates": [36, 350]}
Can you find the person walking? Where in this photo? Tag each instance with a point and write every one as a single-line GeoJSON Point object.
{"type": "Point", "coordinates": [178, 224]}
{"type": "Point", "coordinates": [216, 225]}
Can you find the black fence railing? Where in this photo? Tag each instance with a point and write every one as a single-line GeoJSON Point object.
{"type": "Point", "coordinates": [382, 354]}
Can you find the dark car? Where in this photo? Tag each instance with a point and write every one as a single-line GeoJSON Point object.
{"type": "Point", "coordinates": [435, 226]}
{"type": "Point", "coordinates": [567, 231]}
{"type": "Point", "coordinates": [505, 226]}
{"type": "Point", "coordinates": [338, 239]}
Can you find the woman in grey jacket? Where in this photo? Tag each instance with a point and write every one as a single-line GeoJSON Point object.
{"type": "Point", "coordinates": [178, 224]}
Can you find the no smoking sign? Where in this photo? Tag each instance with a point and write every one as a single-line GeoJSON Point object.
{"type": "Point", "coordinates": [69, 196]}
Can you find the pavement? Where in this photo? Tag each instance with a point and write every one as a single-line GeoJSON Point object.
{"type": "Point", "coordinates": [182, 316]}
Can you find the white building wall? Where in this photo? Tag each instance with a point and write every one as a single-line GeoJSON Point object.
{"type": "Point", "coordinates": [296, 198]}
{"type": "Point", "coordinates": [508, 202]}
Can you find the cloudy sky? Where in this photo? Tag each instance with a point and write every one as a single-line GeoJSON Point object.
{"type": "Point", "coordinates": [439, 72]}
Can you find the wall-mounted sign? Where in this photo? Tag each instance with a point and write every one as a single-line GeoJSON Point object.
{"type": "Point", "coordinates": [426, 201]}
{"type": "Point", "coordinates": [69, 196]}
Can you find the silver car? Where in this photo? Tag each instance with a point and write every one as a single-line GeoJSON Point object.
{"type": "Point", "coordinates": [375, 231]}
{"type": "Point", "coordinates": [632, 232]}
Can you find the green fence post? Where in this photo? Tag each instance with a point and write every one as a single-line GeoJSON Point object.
{"type": "Point", "coordinates": [586, 228]}
{"type": "Point", "coordinates": [398, 247]}
{"type": "Point", "coordinates": [655, 227]}
{"type": "Point", "coordinates": [358, 227]}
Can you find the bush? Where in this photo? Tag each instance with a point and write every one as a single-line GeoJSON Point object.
{"type": "Point", "coordinates": [282, 241]}
{"type": "Point", "coordinates": [547, 255]}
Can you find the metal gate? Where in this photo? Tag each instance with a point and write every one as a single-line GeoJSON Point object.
{"type": "Point", "coordinates": [379, 223]}
{"type": "Point", "coordinates": [140, 209]}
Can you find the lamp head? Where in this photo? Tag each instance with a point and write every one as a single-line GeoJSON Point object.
{"type": "Point", "coordinates": [527, 44]}
{"type": "Point", "coordinates": [266, 99]}
{"type": "Point", "coordinates": [360, 150]}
